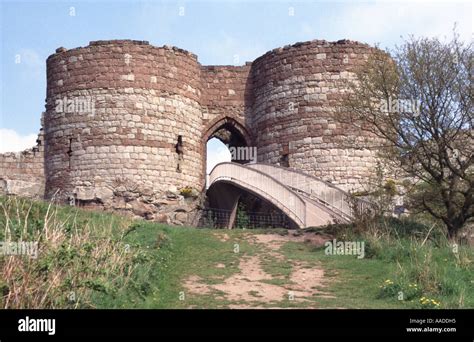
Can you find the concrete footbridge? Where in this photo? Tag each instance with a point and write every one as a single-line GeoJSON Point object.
{"type": "Point", "coordinates": [305, 199]}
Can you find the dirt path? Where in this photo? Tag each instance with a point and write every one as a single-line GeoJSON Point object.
{"type": "Point", "coordinates": [254, 286]}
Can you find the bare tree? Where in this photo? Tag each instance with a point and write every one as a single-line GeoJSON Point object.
{"type": "Point", "coordinates": [419, 101]}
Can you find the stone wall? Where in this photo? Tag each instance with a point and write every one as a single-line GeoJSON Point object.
{"type": "Point", "coordinates": [226, 103]}
{"type": "Point", "coordinates": [126, 123]}
{"type": "Point", "coordinates": [22, 173]}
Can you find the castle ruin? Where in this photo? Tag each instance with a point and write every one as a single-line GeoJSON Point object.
{"type": "Point", "coordinates": [126, 123]}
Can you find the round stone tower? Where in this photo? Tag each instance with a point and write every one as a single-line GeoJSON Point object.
{"type": "Point", "coordinates": [297, 90]}
{"type": "Point", "coordinates": [121, 115]}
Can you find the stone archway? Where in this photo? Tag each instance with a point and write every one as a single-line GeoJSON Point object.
{"type": "Point", "coordinates": [230, 131]}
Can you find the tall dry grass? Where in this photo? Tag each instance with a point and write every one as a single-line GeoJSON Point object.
{"type": "Point", "coordinates": [76, 258]}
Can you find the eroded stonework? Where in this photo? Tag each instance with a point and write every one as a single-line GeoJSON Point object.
{"type": "Point", "coordinates": [126, 123]}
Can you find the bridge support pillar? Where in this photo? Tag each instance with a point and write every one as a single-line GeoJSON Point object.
{"type": "Point", "coordinates": [226, 197]}
{"type": "Point", "coordinates": [233, 213]}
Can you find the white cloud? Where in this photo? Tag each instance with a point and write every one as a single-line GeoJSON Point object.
{"type": "Point", "coordinates": [11, 141]}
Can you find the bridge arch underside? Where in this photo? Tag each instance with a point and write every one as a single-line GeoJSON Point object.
{"type": "Point", "coordinates": [225, 199]}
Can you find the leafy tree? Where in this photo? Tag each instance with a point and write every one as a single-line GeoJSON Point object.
{"type": "Point", "coordinates": [418, 100]}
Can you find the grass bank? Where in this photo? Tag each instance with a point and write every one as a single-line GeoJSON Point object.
{"type": "Point", "coordinates": [98, 260]}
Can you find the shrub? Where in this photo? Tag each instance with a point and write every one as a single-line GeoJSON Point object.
{"type": "Point", "coordinates": [188, 192]}
{"type": "Point", "coordinates": [242, 219]}
{"type": "Point", "coordinates": [429, 303]}
{"type": "Point", "coordinates": [428, 266]}
{"type": "Point", "coordinates": [400, 290]}
{"type": "Point", "coordinates": [389, 289]}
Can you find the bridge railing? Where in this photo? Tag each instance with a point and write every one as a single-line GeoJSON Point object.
{"type": "Point", "coordinates": [336, 199]}
{"type": "Point", "coordinates": [263, 184]}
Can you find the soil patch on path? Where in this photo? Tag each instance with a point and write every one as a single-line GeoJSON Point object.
{"type": "Point", "coordinates": [254, 287]}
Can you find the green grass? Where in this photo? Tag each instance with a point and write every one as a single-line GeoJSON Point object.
{"type": "Point", "coordinates": [356, 283]}
{"type": "Point", "coordinates": [80, 254]}
{"type": "Point", "coordinates": [187, 252]}
{"type": "Point", "coordinates": [353, 282]}
{"type": "Point", "coordinates": [279, 269]}
{"type": "Point", "coordinates": [162, 258]}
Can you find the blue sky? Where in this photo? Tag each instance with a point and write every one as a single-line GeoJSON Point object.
{"type": "Point", "coordinates": [216, 31]}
